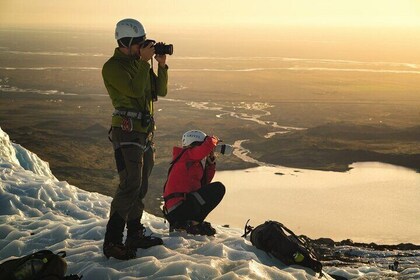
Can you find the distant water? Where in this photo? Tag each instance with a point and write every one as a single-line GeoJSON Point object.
{"type": "Point", "coordinates": [373, 202]}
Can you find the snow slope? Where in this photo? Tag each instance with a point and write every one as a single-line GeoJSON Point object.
{"type": "Point", "coordinates": [39, 212]}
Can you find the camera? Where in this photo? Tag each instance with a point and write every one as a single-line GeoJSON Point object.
{"type": "Point", "coordinates": [160, 48]}
{"type": "Point", "coordinates": [224, 149]}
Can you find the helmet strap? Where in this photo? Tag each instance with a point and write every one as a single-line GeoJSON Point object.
{"type": "Point", "coordinates": [129, 45]}
{"type": "Point", "coordinates": [122, 44]}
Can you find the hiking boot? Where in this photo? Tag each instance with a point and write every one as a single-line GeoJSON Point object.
{"type": "Point", "coordinates": [136, 237]}
{"type": "Point", "coordinates": [140, 240]}
{"type": "Point", "coordinates": [208, 229]}
{"type": "Point", "coordinates": [118, 251]}
{"type": "Point", "coordinates": [114, 229]}
{"type": "Point", "coordinates": [113, 246]}
{"type": "Point", "coordinates": [143, 242]}
{"type": "Point", "coordinates": [203, 228]}
{"type": "Point", "coordinates": [177, 226]}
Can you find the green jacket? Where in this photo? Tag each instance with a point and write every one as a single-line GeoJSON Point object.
{"type": "Point", "coordinates": [129, 87]}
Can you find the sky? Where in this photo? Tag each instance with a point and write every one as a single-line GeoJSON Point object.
{"type": "Point", "coordinates": [216, 13]}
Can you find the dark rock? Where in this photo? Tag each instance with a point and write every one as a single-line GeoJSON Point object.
{"type": "Point", "coordinates": [347, 242]}
{"type": "Point", "coordinates": [324, 241]}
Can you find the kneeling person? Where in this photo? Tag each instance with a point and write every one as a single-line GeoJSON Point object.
{"type": "Point", "coordinates": [189, 194]}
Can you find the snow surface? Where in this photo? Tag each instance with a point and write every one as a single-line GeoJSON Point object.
{"type": "Point", "coordinates": [39, 212]}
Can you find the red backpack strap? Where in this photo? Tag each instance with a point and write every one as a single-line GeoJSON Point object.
{"type": "Point", "coordinates": [170, 168]}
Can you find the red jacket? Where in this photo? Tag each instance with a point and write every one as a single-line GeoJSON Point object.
{"type": "Point", "coordinates": [187, 172]}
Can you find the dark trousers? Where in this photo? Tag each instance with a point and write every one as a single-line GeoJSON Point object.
{"type": "Point", "coordinates": [196, 208]}
{"type": "Point", "coordinates": [134, 156]}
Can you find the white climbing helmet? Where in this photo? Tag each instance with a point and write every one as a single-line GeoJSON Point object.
{"type": "Point", "coordinates": [129, 28]}
{"type": "Point", "coordinates": [192, 136]}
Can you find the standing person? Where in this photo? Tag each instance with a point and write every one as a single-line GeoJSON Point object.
{"type": "Point", "coordinates": [189, 194]}
{"type": "Point", "coordinates": [132, 86]}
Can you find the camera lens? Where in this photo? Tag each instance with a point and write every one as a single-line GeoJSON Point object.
{"type": "Point", "coordinates": [162, 48]}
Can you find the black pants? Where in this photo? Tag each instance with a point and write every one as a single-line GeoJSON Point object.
{"type": "Point", "coordinates": [197, 209]}
{"type": "Point", "coordinates": [134, 155]}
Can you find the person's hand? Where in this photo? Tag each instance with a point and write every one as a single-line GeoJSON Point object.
{"type": "Point", "coordinates": [147, 52]}
{"type": "Point", "coordinates": [211, 158]}
{"type": "Point", "coordinates": [161, 59]}
{"type": "Point", "coordinates": [217, 139]}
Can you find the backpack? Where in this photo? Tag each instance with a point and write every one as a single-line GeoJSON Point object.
{"type": "Point", "coordinates": [41, 265]}
{"type": "Point", "coordinates": [290, 249]}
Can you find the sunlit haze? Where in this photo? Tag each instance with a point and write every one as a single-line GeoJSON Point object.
{"type": "Point", "coordinates": [195, 14]}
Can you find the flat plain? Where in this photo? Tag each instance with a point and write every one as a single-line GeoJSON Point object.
{"type": "Point", "coordinates": [298, 112]}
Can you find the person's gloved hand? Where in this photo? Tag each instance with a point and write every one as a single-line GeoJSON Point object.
{"type": "Point", "coordinates": [147, 52]}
